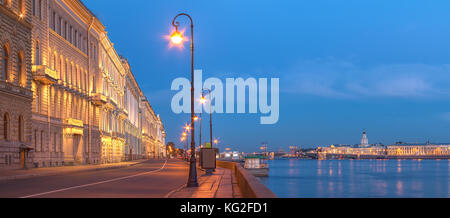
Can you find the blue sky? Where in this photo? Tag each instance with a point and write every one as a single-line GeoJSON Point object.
{"type": "Point", "coordinates": [344, 66]}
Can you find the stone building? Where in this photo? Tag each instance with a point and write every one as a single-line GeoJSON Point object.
{"type": "Point", "coordinates": [15, 83]}
{"type": "Point", "coordinates": [76, 88]}
{"type": "Point", "coordinates": [153, 133]}
{"type": "Point", "coordinates": [133, 124]}
{"type": "Point", "coordinates": [65, 45]}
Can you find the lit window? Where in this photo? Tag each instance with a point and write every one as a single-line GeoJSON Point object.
{"type": "Point", "coordinates": [20, 69]}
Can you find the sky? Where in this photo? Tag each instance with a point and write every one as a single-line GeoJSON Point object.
{"type": "Point", "coordinates": [344, 66]}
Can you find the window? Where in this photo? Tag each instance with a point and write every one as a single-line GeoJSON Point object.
{"type": "Point", "coordinates": [60, 30]}
{"type": "Point", "coordinates": [6, 126]}
{"type": "Point", "coordinates": [54, 21]}
{"type": "Point", "coordinates": [5, 74]}
{"type": "Point", "coordinates": [37, 58]}
{"type": "Point", "coordinates": [60, 142]}
{"type": "Point", "coordinates": [71, 74]}
{"type": "Point", "coordinates": [66, 78]}
{"type": "Point", "coordinates": [39, 9]}
{"type": "Point", "coordinates": [21, 7]}
{"type": "Point", "coordinates": [54, 142]}
{"type": "Point", "coordinates": [70, 34]}
{"type": "Point", "coordinates": [42, 141]}
{"type": "Point", "coordinates": [75, 39]}
{"type": "Point", "coordinates": [38, 100]}
{"type": "Point", "coordinates": [21, 129]}
{"type": "Point", "coordinates": [65, 30]}
{"type": "Point", "coordinates": [35, 139]}
{"type": "Point", "coordinates": [54, 62]}
{"type": "Point", "coordinates": [61, 65]}
{"type": "Point", "coordinates": [34, 7]}
{"type": "Point", "coordinates": [20, 68]}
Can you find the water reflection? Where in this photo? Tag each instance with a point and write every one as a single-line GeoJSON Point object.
{"type": "Point", "coordinates": [359, 178]}
{"type": "Point", "coordinates": [399, 188]}
{"type": "Point", "coordinates": [399, 166]}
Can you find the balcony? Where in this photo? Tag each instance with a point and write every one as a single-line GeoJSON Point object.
{"type": "Point", "coordinates": [123, 113]}
{"type": "Point", "coordinates": [74, 127]}
{"type": "Point", "coordinates": [99, 99]}
{"type": "Point", "coordinates": [44, 74]}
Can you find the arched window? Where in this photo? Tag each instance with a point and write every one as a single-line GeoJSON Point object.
{"type": "Point", "coordinates": [6, 126]}
{"type": "Point", "coordinates": [21, 129]}
{"type": "Point", "coordinates": [20, 69]}
{"type": "Point", "coordinates": [5, 74]}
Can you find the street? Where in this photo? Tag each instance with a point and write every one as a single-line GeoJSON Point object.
{"type": "Point", "coordinates": [150, 179]}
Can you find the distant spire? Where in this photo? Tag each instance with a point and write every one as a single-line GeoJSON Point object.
{"type": "Point", "coordinates": [364, 140]}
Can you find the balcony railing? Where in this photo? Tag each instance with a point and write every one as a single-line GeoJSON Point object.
{"type": "Point", "coordinates": [44, 74]}
{"type": "Point", "coordinates": [99, 99]}
{"type": "Point", "coordinates": [74, 127]}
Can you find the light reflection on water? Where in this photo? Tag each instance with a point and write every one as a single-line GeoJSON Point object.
{"type": "Point", "coordinates": [359, 178]}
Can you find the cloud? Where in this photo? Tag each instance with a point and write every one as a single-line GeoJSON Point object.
{"type": "Point", "coordinates": [341, 79]}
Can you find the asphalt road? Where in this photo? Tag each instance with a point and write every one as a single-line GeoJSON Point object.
{"type": "Point", "coordinates": [151, 179]}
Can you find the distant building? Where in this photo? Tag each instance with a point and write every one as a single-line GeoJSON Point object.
{"type": "Point", "coordinates": [364, 140]}
{"type": "Point", "coordinates": [419, 149]}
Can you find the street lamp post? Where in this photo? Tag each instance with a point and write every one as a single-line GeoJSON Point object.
{"type": "Point", "coordinates": [210, 114]}
{"type": "Point", "coordinates": [177, 39]}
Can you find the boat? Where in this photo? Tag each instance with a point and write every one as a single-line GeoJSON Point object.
{"type": "Point", "coordinates": [257, 165]}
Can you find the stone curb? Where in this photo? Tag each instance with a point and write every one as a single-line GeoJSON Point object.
{"type": "Point", "coordinates": [27, 176]}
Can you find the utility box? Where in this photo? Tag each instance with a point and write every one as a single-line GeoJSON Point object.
{"type": "Point", "coordinates": [208, 158]}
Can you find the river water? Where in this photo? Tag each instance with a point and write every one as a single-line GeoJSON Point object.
{"type": "Point", "coordinates": [359, 178]}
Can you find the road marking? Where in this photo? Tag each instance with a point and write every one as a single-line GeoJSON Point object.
{"type": "Point", "coordinates": [96, 183]}
{"type": "Point", "coordinates": [175, 190]}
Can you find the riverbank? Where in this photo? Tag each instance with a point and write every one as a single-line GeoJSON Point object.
{"type": "Point", "coordinates": [249, 185]}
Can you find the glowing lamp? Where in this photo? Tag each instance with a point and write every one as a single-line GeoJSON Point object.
{"type": "Point", "coordinates": [203, 100]}
{"type": "Point", "coordinates": [176, 38]}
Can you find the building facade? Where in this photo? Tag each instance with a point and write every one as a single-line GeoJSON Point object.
{"type": "Point", "coordinates": [15, 83]}
{"type": "Point", "coordinates": [75, 100]}
{"type": "Point", "coordinates": [133, 124]}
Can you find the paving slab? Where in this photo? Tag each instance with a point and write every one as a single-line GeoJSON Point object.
{"type": "Point", "coordinates": [217, 185]}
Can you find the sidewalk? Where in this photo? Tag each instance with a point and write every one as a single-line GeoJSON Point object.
{"type": "Point", "coordinates": [51, 171]}
{"type": "Point", "coordinates": [219, 185]}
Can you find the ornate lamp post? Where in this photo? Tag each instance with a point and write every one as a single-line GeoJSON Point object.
{"type": "Point", "coordinates": [177, 38]}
